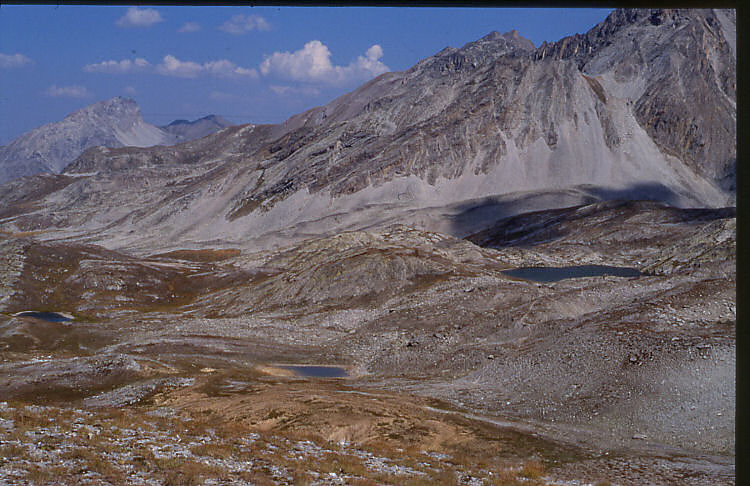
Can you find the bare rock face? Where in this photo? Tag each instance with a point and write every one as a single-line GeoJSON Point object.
{"type": "Point", "coordinates": [640, 107]}
{"type": "Point", "coordinates": [684, 66]}
{"type": "Point", "coordinates": [114, 123]}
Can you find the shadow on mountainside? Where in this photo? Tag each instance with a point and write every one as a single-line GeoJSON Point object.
{"type": "Point", "coordinates": [480, 214]}
{"type": "Point", "coordinates": [505, 224]}
{"type": "Point", "coordinates": [647, 191]}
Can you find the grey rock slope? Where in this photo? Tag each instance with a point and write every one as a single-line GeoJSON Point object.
{"type": "Point", "coordinates": [188, 130]}
{"type": "Point", "coordinates": [683, 97]}
{"type": "Point", "coordinates": [113, 123]}
{"type": "Point", "coordinates": [643, 106]}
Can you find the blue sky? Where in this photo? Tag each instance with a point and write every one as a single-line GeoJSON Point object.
{"type": "Point", "coordinates": [248, 64]}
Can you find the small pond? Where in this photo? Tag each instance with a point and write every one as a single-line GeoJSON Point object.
{"type": "Point", "coordinates": [317, 371]}
{"type": "Point", "coordinates": [554, 274]}
{"type": "Point", "coordinates": [47, 316]}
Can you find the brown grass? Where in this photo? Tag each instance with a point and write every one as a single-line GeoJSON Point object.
{"type": "Point", "coordinates": [302, 478]}
{"type": "Point", "coordinates": [26, 420]}
{"type": "Point", "coordinates": [257, 478]}
{"type": "Point", "coordinates": [363, 482]}
{"type": "Point", "coordinates": [91, 458]}
{"type": "Point", "coordinates": [221, 451]}
{"type": "Point", "coordinates": [446, 478]}
{"type": "Point", "coordinates": [507, 477]}
{"type": "Point", "coordinates": [168, 463]}
{"type": "Point", "coordinates": [532, 470]}
{"type": "Point", "coordinates": [40, 475]}
{"type": "Point", "coordinates": [340, 464]}
{"type": "Point", "coordinates": [190, 473]}
{"type": "Point", "coordinates": [466, 455]}
{"type": "Point", "coordinates": [76, 454]}
{"type": "Point", "coordinates": [12, 450]}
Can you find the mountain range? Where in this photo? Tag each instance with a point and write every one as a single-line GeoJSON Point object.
{"type": "Point", "coordinates": [643, 106]}
{"type": "Point", "coordinates": [116, 122]}
{"type": "Point", "coordinates": [394, 234]}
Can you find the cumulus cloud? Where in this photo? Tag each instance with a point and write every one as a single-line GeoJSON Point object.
{"type": "Point", "coordinates": [129, 90]}
{"type": "Point", "coordinates": [118, 67]}
{"type": "Point", "coordinates": [313, 64]}
{"type": "Point", "coordinates": [74, 91]}
{"type": "Point", "coordinates": [14, 60]}
{"type": "Point", "coordinates": [190, 27]}
{"type": "Point", "coordinates": [242, 24]}
{"type": "Point", "coordinates": [171, 66]}
{"type": "Point", "coordinates": [139, 17]}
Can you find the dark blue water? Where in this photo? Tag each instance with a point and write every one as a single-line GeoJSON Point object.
{"type": "Point", "coordinates": [554, 274]}
{"type": "Point", "coordinates": [317, 371]}
{"type": "Point", "coordinates": [47, 316]}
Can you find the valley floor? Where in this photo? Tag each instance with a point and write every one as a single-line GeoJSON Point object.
{"type": "Point", "coordinates": [457, 373]}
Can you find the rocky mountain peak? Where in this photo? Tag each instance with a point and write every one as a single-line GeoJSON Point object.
{"type": "Point", "coordinates": [115, 122]}
{"type": "Point", "coordinates": [118, 113]}
{"type": "Point", "coordinates": [116, 104]}
{"type": "Point", "coordinates": [649, 27]}
{"type": "Point", "coordinates": [516, 40]}
{"type": "Point", "coordinates": [481, 52]}
{"type": "Point", "coordinates": [498, 43]}
{"type": "Point", "coordinates": [117, 107]}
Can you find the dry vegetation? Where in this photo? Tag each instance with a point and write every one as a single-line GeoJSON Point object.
{"type": "Point", "coordinates": [161, 446]}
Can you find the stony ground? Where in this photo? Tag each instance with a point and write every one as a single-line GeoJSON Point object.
{"type": "Point", "coordinates": [158, 445]}
{"type": "Point", "coordinates": [458, 373]}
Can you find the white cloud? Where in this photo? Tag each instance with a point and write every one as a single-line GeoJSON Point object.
{"type": "Point", "coordinates": [139, 17]}
{"type": "Point", "coordinates": [312, 63]}
{"type": "Point", "coordinates": [224, 68]}
{"type": "Point", "coordinates": [74, 91]}
{"type": "Point", "coordinates": [292, 90]}
{"type": "Point", "coordinates": [242, 24]}
{"type": "Point", "coordinates": [129, 90]}
{"type": "Point", "coordinates": [190, 27]}
{"type": "Point", "coordinates": [171, 66]}
{"type": "Point", "coordinates": [14, 60]}
{"type": "Point", "coordinates": [118, 67]}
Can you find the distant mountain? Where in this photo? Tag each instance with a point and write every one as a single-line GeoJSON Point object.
{"type": "Point", "coordinates": [113, 123]}
{"type": "Point", "coordinates": [643, 106]}
{"type": "Point", "coordinates": [189, 130]}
